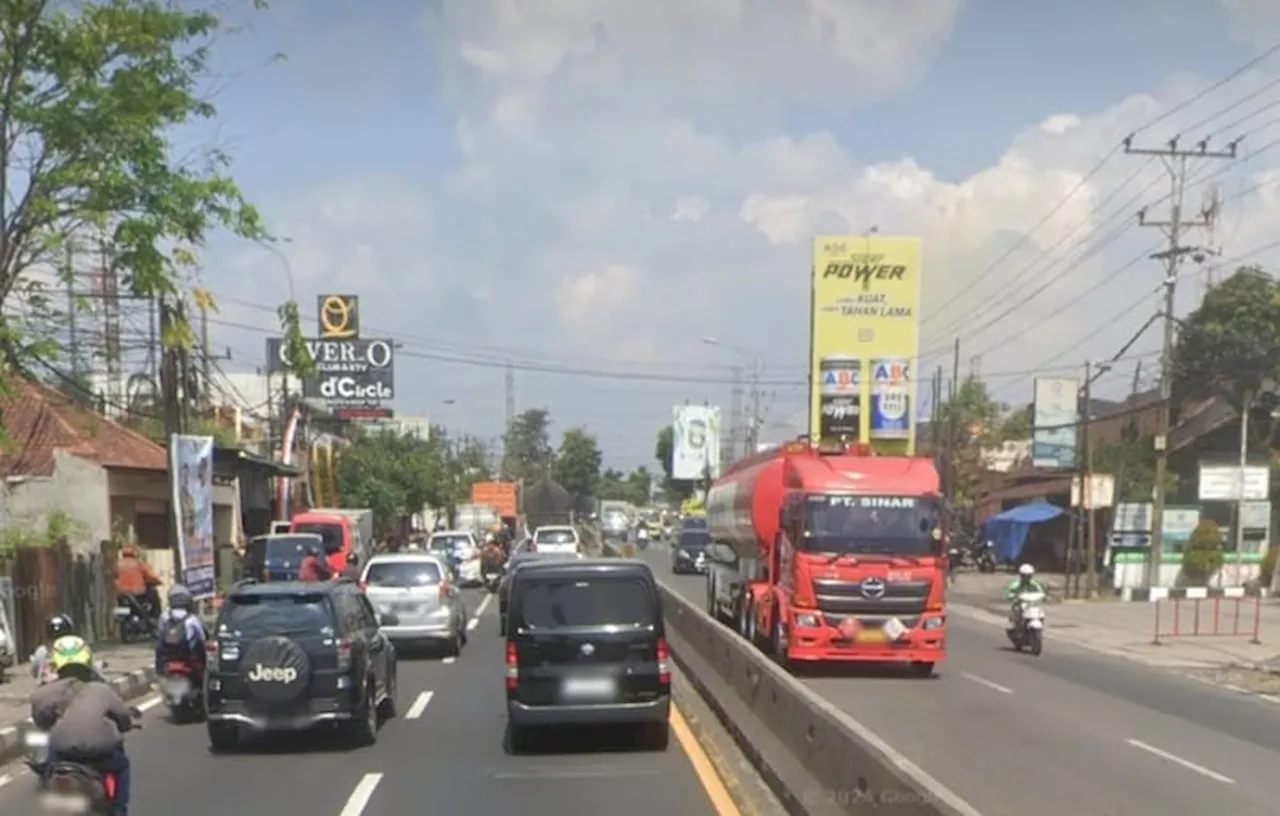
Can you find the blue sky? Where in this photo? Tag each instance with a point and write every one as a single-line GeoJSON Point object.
{"type": "Point", "coordinates": [600, 186]}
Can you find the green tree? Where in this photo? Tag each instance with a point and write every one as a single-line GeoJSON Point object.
{"type": "Point", "coordinates": [1203, 556]}
{"type": "Point", "coordinates": [1132, 461]}
{"type": "Point", "coordinates": [89, 95]}
{"type": "Point", "coordinates": [663, 450]}
{"type": "Point", "coordinates": [640, 484]}
{"type": "Point", "coordinates": [395, 475]}
{"type": "Point", "coordinates": [631, 487]}
{"type": "Point", "coordinates": [527, 454]}
{"type": "Point", "coordinates": [980, 420]}
{"type": "Point", "coordinates": [1230, 346]}
{"type": "Point", "coordinates": [577, 466]}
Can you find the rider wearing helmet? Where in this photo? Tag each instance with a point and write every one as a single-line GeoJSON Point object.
{"type": "Point", "coordinates": [86, 720]}
{"type": "Point", "coordinates": [57, 626]}
{"type": "Point", "coordinates": [181, 634]}
{"type": "Point", "coordinates": [1025, 582]}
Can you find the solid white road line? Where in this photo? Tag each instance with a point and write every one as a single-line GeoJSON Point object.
{"type": "Point", "coordinates": [1177, 760]}
{"type": "Point", "coordinates": [419, 705]}
{"type": "Point", "coordinates": [360, 797]}
{"type": "Point", "coordinates": [484, 604]}
{"type": "Point", "coordinates": [449, 661]}
{"type": "Point", "coordinates": [5, 779]}
{"type": "Point", "coordinates": [148, 704]}
{"type": "Point", "coordinates": [982, 681]}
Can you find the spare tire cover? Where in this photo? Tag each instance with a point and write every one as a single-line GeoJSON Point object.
{"type": "Point", "coordinates": [275, 670]}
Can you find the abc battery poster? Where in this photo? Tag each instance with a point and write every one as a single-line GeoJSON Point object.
{"type": "Point", "coordinates": [864, 340]}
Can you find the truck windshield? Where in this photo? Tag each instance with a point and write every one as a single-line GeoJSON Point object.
{"type": "Point", "coordinates": [888, 525]}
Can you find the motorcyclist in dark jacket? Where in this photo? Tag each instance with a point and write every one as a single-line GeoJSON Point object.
{"type": "Point", "coordinates": [86, 719]}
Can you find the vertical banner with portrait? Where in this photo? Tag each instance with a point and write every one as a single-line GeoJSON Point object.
{"type": "Point", "coordinates": [191, 481]}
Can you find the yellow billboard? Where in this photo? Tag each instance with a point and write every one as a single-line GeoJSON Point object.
{"type": "Point", "coordinates": [864, 340]}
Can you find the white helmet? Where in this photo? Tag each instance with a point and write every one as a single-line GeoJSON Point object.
{"type": "Point", "coordinates": [1026, 570]}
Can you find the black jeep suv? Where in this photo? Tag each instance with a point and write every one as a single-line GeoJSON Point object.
{"type": "Point", "coordinates": [290, 655]}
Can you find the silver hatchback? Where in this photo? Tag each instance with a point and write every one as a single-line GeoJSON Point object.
{"type": "Point", "coordinates": [417, 589]}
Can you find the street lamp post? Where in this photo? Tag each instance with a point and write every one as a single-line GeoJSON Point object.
{"type": "Point", "coordinates": [753, 366]}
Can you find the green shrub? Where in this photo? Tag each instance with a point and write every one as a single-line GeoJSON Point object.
{"type": "Point", "coordinates": [1267, 571]}
{"type": "Point", "coordinates": [1203, 556]}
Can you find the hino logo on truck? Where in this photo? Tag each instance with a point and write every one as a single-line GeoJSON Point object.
{"type": "Point", "coordinates": [264, 674]}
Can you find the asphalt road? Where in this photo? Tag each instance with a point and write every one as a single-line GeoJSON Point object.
{"type": "Point", "coordinates": [1070, 732]}
{"type": "Point", "coordinates": [448, 759]}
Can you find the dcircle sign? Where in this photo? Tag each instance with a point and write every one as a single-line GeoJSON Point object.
{"type": "Point", "coordinates": [347, 372]}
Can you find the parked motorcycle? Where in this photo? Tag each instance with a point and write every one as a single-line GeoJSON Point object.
{"type": "Point", "coordinates": [182, 692]}
{"type": "Point", "coordinates": [69, 787]}
{"type": "Point", "coordinates": [985, 556]}
{"type": "Point", "coordinates": [1026, 624]}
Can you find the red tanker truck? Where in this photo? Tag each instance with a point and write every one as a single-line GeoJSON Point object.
{"type": "Point", "coordinates": [831, 554]}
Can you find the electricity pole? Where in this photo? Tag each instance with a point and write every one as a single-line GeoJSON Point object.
{"type": "Point", "coordinates": [952, 428]}
{"type": "Point", "coordinates": [753, 428]}
{"type": "Point", "coordinates": [1175, 161]}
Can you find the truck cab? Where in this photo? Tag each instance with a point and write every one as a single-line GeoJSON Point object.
{"type": "Point", "coordinates": [837, 556]}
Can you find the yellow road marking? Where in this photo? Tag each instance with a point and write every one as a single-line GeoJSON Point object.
{"type": "Point", "coordinates": [703, 767]}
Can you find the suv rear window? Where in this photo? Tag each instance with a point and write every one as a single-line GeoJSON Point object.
{"type": "Point", "coordinates": [402, 574]}
{"type": "Point", "coordinates": [448, 543]}
{"type": "Point", "coordinates": [555, 537]}
{"type": "Point", "coordinates": [255, 616]}
{"type": "Point", "coordinates": [553, 603]}
{"type": "Point", "coordinates": [282, 548]}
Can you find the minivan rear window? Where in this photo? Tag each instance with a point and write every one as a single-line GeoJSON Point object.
{"type": "Point", "coordinates": [255, 616]}
{"type": "Point", "coordinates": [288, 548]}
{"type": "Point", "coordinates": [556, 603]}
{"type": "Point", "coordinates": [330, 534]}
{"type": "Point", "coordinates": [402, 574]}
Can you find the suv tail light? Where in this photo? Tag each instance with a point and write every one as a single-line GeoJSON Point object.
{"type": "Point", "coordinates": [664, 662]}
{"type": "Point", "coordinates": [364, 585]}
{"type": "Point", "coordinates": [344, 655]}
{"type": "Point", "coordinates": [444, 591]}
{"type": "Point", "coordinates": [211, 655]}
{"type": "Point", "coordinates": [513, 667]}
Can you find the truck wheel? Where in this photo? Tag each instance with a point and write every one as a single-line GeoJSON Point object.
{"type": "Point", "coordinates": [922, 669]}
{"type": "Point", "coordinates": [778, 641]}
{"type": "Point", "coordinates": [747, 623]}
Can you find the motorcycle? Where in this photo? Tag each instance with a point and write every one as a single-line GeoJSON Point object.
{"type": "Point", "coordinates": [136, 619]}
{"type": "Point", "coordinates": [180, 686]}
{"type": "Point", "coordinates": [642, 538]}
{"type": "Point", "coordinates": [1026, 625]}
{"type": "Point", "coordinates": [69, 787]}
{"type": "Point", "coordinates": [985, 557]}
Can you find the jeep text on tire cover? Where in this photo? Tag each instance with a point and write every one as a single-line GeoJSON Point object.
{"type": "Point", "coordinates": [263, 674]}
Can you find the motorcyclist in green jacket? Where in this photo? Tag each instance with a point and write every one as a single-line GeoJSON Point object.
{"type": "Point", "coordinates": [1025, 582]}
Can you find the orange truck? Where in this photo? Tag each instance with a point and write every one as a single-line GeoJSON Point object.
{"type": "Point", "coordinates": [503, 497]}
{"type": "Point", "coordinates": [831, 554]}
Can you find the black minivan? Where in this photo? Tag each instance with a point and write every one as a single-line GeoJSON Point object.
{"type": "Point", "coordinates": [586, 646]}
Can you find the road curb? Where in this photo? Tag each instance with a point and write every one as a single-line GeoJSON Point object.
{"type": "Point", "coordinates": [130, 686]}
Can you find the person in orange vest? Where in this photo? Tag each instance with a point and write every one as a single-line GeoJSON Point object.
{"type": "Point", "coordinates": [137, 582]}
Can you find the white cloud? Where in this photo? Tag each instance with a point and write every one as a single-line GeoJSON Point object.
{"type": "Point", "coordinates": [1254, 21]}
{"type": "Point", "coordinates": [626, 189]}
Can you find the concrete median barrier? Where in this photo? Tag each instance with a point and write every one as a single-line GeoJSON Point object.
{"type": "Point", "coordinates": [817, 759]}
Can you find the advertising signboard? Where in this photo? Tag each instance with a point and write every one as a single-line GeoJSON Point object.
{"type": "Point", "coordinates": [864, 339]}
{"type": "Point", "coordinates": [348, 373]}
{"type": "Point", "coordinates": [1056, 415]}
{"type": "Point", "coordinates": [695, 442]}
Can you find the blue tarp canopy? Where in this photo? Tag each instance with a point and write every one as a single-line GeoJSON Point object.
{"type": "Point", "coordinates": [1008, 530]}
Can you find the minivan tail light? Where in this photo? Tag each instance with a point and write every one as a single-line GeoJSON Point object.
{"type": "Point", "coordinates": [513, 667]}
{"type": "Point", "coordinates": [443, 590]}
{"type": "Point", "coordinates": [344, 655]}
{"type": "Point", "coordinates": [664, 662]}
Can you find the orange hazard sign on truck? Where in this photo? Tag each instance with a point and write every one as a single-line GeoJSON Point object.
{"type": "Point", "coordinates": [501, 496]}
